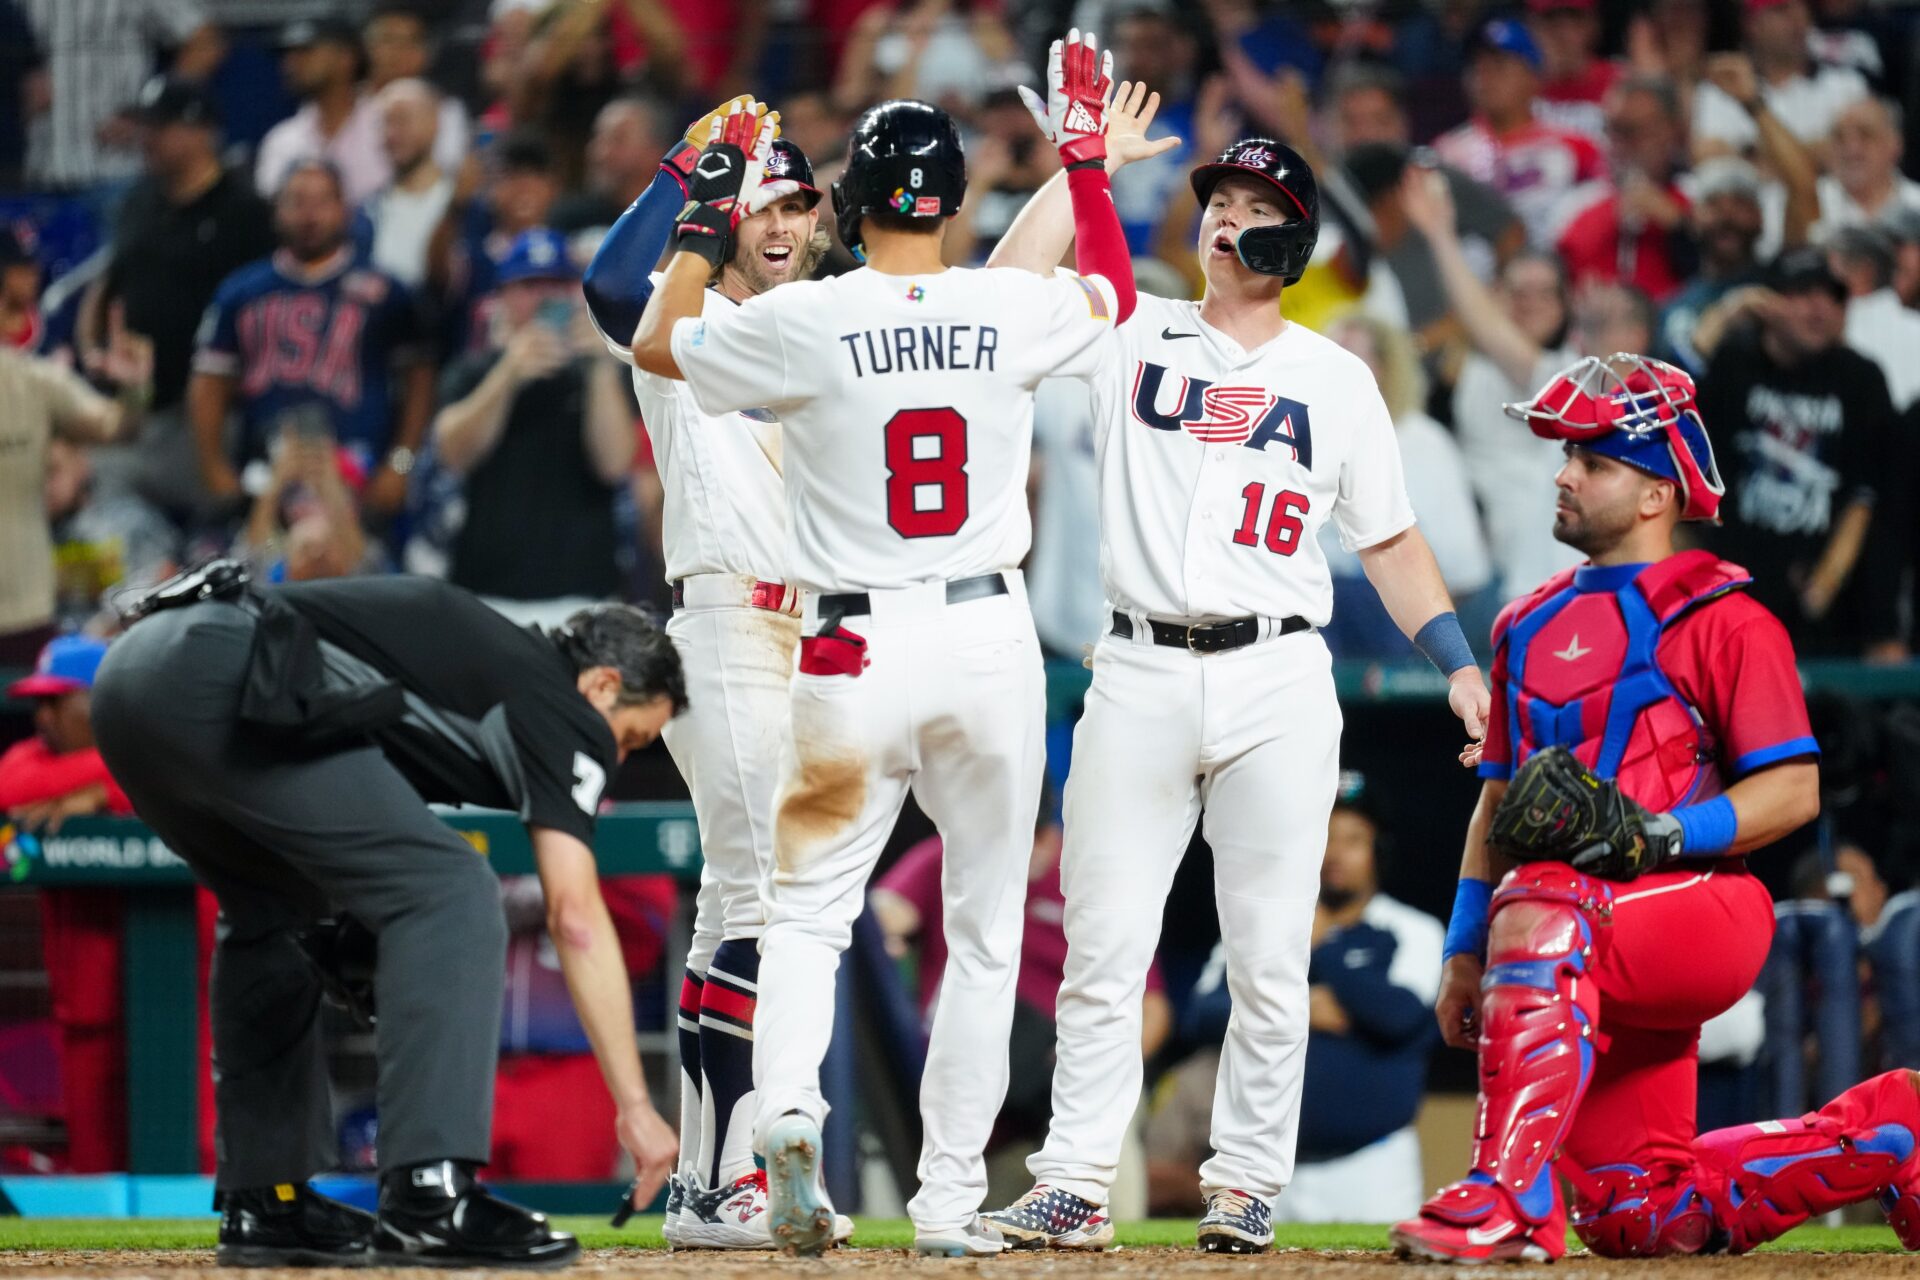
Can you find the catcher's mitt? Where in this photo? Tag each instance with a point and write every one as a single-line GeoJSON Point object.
{"type": "Point", "coordinates": [1558, 810]}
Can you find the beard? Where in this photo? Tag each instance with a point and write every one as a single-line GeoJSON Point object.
{"type": "Point", "coordinates": [1336, 898]}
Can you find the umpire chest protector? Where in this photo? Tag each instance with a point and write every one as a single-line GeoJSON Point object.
{"type": "Point", "coordinates": [1583, 672]}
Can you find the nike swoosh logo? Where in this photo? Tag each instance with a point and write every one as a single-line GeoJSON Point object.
{"type": "Point", "coordinates": [1494, 1235]}
{"type": "Point", "coordinates": [1168, 335]}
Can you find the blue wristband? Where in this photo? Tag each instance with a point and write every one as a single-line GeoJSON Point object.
{"type": "Point", "coordinates": [1707, 829]}
{"type": "Point", "coordinates": [1444, 644]}
{"type": "Point", "coordinates": [1467, 931]}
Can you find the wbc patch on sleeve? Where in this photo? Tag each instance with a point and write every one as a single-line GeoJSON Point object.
{"type": "Point", "coordinates": [1096, 301]}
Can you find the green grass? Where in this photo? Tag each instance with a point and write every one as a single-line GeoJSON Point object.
{"type": "Point", "coordinates": [644, 1233]}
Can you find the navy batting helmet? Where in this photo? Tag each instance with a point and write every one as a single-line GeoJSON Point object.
{"type": "Point", "coordinates": [788, 171]}
{"type": "Point", "coordinates": [905, 158]}
{"type": "Point", "coordinates": [1282, 249]}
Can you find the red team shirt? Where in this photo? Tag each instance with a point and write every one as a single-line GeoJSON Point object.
{"type": "Point", "coordinates": [1535, 167]}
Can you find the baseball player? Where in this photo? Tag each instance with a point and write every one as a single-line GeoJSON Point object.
{"type": "Point", "coordinates": [1647, 730]}
{"type": "Point", "coordinates": [905, 395]}
{"type": "Point", "coordinates": [1226, 437]}
{"type": "Point", "coordinates": [736, 623]}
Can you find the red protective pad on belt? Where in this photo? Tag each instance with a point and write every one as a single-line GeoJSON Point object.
{"type": "Point", "coordinates": [837, 653]}
{"type": "Point", "coordinates": [1100, 246]}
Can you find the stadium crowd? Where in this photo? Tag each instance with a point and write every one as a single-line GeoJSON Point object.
{"type": "Point", "coordinates": [297, 281]}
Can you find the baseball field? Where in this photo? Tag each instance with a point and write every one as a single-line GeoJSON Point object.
{"type": "Point", "coordinates": [180, 1248]}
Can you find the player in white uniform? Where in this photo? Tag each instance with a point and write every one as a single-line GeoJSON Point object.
{"type": "Point", "coordinates": [905, 393]}
{"type": "Point", "coordinates": [1226, 438]}
{"type": "Point", "coordinates": [736, 623]}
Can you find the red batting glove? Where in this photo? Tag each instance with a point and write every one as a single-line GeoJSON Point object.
{"type": "Point", "coordinates": [1079, 84]}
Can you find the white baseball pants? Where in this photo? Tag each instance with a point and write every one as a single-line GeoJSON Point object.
{"type": "Point", "coordinates": [1252, 736]}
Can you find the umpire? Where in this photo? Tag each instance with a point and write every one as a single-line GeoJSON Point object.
{"type": "Point", "coordinates": [285, 742]}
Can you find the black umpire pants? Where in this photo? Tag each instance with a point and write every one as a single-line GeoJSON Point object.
{"type": "Point", "coordinates": [282, 839]}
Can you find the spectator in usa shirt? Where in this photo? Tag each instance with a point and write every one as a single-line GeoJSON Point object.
{"type": "Point", "coordinates": [312, 325]}
{"type": "Point", "coordinates": [1534, 165]}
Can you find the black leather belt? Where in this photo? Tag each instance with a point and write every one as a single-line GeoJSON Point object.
{"type": "Point", "coordinates": [852, 604]}
{"type": "Point", "coordinates": [1206, 637]}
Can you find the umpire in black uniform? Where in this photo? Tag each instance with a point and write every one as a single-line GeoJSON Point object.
{"type": "Point", "coordinates": [285, 742]}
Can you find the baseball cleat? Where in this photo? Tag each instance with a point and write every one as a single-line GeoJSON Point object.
{"type": "Point", "coordinates": [975, 1239]}
{"type": "Point", "coordinates": [291, 1225]}
{"type": "Point", "coordinates": [1049, 1218]}
{"type": "Point", "coordinates": [1473, 1222]}
{"type": "Point", "coordinates": [676, 1206]}
{"type": "Point", "coordinates": [1236, 1222]}
{"type": "Point", "coordinates": [732, 1217]}
{"type": "Point", "coordinates": [436, 1215]}
{"type": "Point", "coordinates": [800, 1218]}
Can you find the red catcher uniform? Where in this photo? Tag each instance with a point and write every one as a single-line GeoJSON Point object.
{"type": "Point", "coordinates": [1668, 679]}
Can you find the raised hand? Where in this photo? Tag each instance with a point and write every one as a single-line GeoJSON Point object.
{"type": "Point", "coordinates": [723, 179]}
{"type": "Point", "coordinates": [1129, 116]}
{"type": "Point", "coordinates": [1074, 115]}
{"type": "Point", "coordinates": [684, 154]}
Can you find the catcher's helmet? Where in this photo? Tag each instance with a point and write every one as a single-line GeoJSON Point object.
{"type": "Point", "coordinates": [1638, 410]}
{"type": "Point", "coordinates": [905, 158]}
{"type": "Point", "coordinates": [1282, 249]}
{"type": "Point", "coordinates": [788, 171]}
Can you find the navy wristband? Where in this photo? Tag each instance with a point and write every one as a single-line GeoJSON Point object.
{"type": "Point", "coordinates": [1467, 930]}
{"type": "Point", "coordinates": [1444, 644]}
{"type": "Point", "coordinates": [1707, 829]}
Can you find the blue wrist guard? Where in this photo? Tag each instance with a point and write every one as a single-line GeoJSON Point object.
{"type": "Point", "coordinates": [1467, 930]}
{"type": "Point", "coordinates": [1444, 644]}
{"type": "Point", "coordinates": [1707, 829]}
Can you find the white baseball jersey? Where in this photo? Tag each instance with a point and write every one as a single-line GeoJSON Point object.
{"type": "Point", "coordinates": [907, 408]}
{"type": "Point", "coordinates": [724, 508]}
{"type": "Point", "coordinates": [1218, 467]}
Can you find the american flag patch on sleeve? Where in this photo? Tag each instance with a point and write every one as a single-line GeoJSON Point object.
{"type": "Point", "coordinates": [1096, 300]}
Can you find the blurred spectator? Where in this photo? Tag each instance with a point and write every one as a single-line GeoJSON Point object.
{"type": "Point", "coordinates": [1786, 83]}
{"type": "Point", "coordinates": [1726, 220]}
{"type": "Point", "coordinates": [1635, 229]}
{"type": "Point", "coordinates": [553, 1119]}
{"type": "Point", "coordinates": [1007, 161]}
{"type": "Point", "coordinates": [542, 433]}
{"type": "Point", "coordinates": [1441, 494]}
{"type": "Point", "coordinates": [949, 52]}
{"type": "Point", "coordinates": [1576, 78]}
{"type": "Point", "coordinates": [23, 67]}
{"type": "Point", "coordinates": [336, 121]}
{"type": "Point", "coordinates": [55, 775]}
{"type": "Point", "coordinates": [1369, 131]}
{"type": "Point", "coordinates": [399, 46]}
{"type": "Point", "coordinates": [98, 54]}
{"type": "Point", "coordinates": [1790, 198]}
{"type": "Point", "coordinates": [1374, 974]}
{"type": "Point", "coordinates": [629, 136]}
{"type": "Point", "coordinates": [1612, 317]}
{"type": "Point", "coordinates": [303, 524]}
{"type": "Point", "coordinates": [1866, 185]}
{"type": "Point", "coordinates": [1812, 986]}
{"type": "Point", "coordinates": [101, 541]}
{"type": "Point", "coordinates": [397, 222]}
{"type": "Point", "coordinates": [183, 229]}
{"type": "Point", "coordinates": [1905, 231]}
{"type": "Point", "coordinates": [1063, 578]}
{"type": "Point", "coordinates": [20, 324]}
{"type": "Point", "coordinates": [1533, 164]}
{"type": "Point", "coordinates": [42, 400]}
{"type": "Point", "coordinates": [1669, 42]}
{"type": "Point", "coordinates": [1150, 47]}
{"type": "Point", "coordinates": [570, 70]}
{"type": "Point", "coordinates": [1891, 936]}
{"type": "Point", "coordinates": [906, 904]}
{"type": "Point", "coordinates": [310, 325]}
{"type": "Point", "coordinates": [492, 205]}
{"type": "Point", "coordinates": [1519, 334]}
{"type": "Point", "coordinates": [1803, 423]}
{"type": "Point", "coordinates": [1878, 326]}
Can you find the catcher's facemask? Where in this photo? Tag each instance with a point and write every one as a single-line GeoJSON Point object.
{"type": "Point", "coordinates": [1638, 410]}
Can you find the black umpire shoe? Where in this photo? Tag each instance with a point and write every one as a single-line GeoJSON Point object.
{"type": "Point", "coordinates": [436, 1215]}
{"type": "Point", "coordinates": [291, 1225]}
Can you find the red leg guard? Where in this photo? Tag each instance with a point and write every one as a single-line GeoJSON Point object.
{"type": "Point", "coordinates": [1765, 1179]}
{"type": "Point", "coordinates": [1624, 1211]}
{"type": "Point", "coordinates": [1537, 1018]}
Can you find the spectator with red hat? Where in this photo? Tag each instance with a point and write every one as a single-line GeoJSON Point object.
{"type": "Point", "coordinates": [1533, 164]}
{"type": "Point", "coordinates": [1786, 84]}
{"type": "Point", "coordinates": [1576, 79]}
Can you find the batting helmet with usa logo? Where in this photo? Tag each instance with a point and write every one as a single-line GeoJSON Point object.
{"type": "Point", "coordinates": [1282, 249]}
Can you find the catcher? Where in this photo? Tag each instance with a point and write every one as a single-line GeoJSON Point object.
{"type": "Point", "coordinates": [1648, 730]}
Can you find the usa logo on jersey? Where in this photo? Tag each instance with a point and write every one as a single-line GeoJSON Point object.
{"type": "Point", "coordinates": [1223, 414]}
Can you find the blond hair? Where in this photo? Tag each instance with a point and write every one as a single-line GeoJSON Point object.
{"type": "Point", "coordinates": [1403, 383]}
